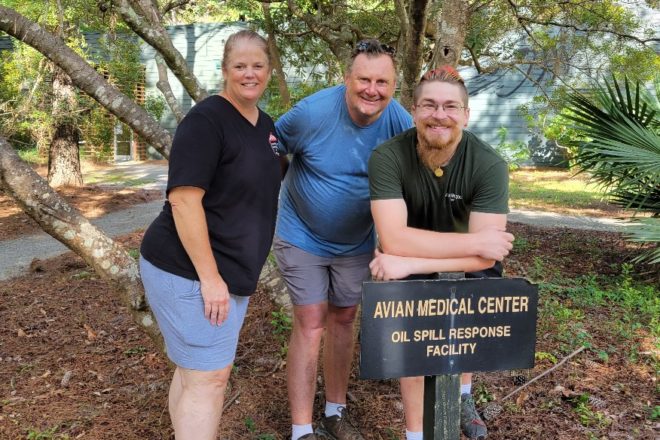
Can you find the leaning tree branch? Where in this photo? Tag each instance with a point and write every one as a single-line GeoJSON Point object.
{"type": "Point", "coordinates": [153, 32]}
{"type": "Point", "coordinates": [173, 4]}
{"type": "Point", "coordinates": [86, 78]}
{"type": "Point", "coordinates": [516, 14]}
{"type": "Point", "coordinates": [402, 15]}
{"type": "Point", "coordinates": [147, 9]}
{"type": "Point", "coordinates": [475, 59]}
{"type": "Point", "coordinates": [66, 224]}
{"type": "Point", "coordinates": [163, 85]}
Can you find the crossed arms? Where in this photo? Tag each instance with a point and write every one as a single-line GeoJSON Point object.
{"type": "Point", "coordinates": [405, 251]}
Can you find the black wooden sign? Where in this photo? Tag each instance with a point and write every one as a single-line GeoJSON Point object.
{"type": "Point", "coordinates": [433, 327]}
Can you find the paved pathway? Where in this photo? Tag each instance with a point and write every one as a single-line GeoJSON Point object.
{"type": "Point", "coordinates": [16, 255]}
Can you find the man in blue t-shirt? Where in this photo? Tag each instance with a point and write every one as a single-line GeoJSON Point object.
{"type": "Point", "coordinates": [325, 236]}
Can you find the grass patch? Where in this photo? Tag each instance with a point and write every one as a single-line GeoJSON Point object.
{"type": "Point", "coordinates": [282, 324]}
{"type": "Point", "coordinates": [632, 309]}
{"type": "Point", "coordinates": [32, 156]}
{"type": "Point", "coordinates": [553, 189]}
{"type": "Point", "coordinates": [47, 434]}
{"type": "Point", "coordinates": [116, 179]}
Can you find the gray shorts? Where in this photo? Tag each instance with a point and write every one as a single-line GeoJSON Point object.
{"type": "Point", "coordinates": [313, 280]}
{"type": "Point", "coordinates": [191, 341]}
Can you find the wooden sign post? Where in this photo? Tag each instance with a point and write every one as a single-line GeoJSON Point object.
{"type": "Point", "coordinates": [442, 397]}
{"type": "Point", "coordinates": [442, 328]}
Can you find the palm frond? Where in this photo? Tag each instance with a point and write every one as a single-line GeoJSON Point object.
{"type": "Point", "coordinates": [646, 231]}
{"type": "Point", "coordinates": [620, 148]}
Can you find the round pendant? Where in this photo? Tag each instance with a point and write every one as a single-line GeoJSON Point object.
{"type": "Point", "coordinates": [438, 172]}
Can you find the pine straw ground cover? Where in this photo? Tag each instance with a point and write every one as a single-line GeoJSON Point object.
{"type": "Point", "coordinates": [74, 365]}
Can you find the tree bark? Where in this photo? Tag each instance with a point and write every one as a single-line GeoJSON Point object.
{"type": "Point", "coordinates": [86, 78]}
{"type": "Point", "coordinates": [412, 16]}
{"type": "Point", "coordinates": [275, 57]}
{"type": "Point", "coordinates": [64, 157]}
{"type": "Point", "coordinates": [64, 154]}
{"type": "Point", "coordinates": [452, 30]}
{"type": "Point", "coordinates": [69, 226]}
{"type": "Point", "coordinates": [163, 85]}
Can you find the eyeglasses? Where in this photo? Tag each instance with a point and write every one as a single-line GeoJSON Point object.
{"type": "Point", "coordinates": [372, 47]}
{"type": "Point", "coordinates": [450, 108]}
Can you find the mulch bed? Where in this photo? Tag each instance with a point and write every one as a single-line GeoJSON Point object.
{"type": "Point", "coordinates": [73, 363]}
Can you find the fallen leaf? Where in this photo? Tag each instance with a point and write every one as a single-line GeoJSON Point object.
{"type": "Point", "coordinates": [21, 333]}
{"type": "Point", "coordinates": [91, 335]}
{"type": "Point", "coordinates": [521, 398]}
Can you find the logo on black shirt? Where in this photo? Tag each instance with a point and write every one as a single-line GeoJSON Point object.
{"type": "Point", "coordinates": [272, 140]}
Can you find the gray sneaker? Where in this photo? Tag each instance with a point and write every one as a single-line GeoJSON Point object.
{"type": "Point", "coordinates": [471, 424]}
{"type": "Point", "coordinates": [338, 427]}
{"type": "Point", "coordinates": [308, 437]}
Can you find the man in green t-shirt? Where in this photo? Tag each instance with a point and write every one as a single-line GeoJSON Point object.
{"type": "Point", "coordinates": [439, 196]}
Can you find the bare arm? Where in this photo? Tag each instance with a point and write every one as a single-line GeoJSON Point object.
{"type": "Point", "coordinates": [190, 222]}
{"type": "Point", "coordinates": [385, 267]}
{"type": "Point", "coordinates": [486, 238]}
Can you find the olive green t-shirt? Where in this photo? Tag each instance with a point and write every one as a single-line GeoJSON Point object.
{"type": "Point", "coordinates": [475, 179]}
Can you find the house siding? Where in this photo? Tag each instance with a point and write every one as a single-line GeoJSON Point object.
{"type": "Point", "coordinates": [496, 100]}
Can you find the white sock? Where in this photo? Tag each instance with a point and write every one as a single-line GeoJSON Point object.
{"type": "Point", "coordinates": [466, 388]}
{"type": "Point", "coordinates": [332, 409]}
{"type": "Point", "coordinates": [414, 435]}
{"type": "Point", "coordinates": [298, 431]}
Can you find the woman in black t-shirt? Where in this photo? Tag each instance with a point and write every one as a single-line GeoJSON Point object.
{"type": "Point", "coordinates": [201, 258]}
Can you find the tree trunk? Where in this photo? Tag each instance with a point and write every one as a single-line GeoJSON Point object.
{"type": "Point", "coordinates": [412, 16]}
{"type": "Point", "coordinates": [275, 57]}
{"type": "Point", "coordinates": [66, 224]}
{"type": "Point", "coordinates": [64, 157]}
{"type": "Point", "coordinates": [452, 30]}
{"type": "Point", "coordinates": [64, 154]}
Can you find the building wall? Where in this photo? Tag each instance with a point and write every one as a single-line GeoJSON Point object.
{"type": "Point", "coordinates": [495, 102]}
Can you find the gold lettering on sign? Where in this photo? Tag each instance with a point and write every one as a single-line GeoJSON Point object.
{"type": "Point", "coordinates": [428, 335]}
{"type": "Point", "coordinates": [451, 349]}
{"type": "Point", "coordinates": [445, 306]}
{"type": "Point", "coordinates": [394, 309]}
{"type": "Point", "coordinates": [499, 331]}
{"type": "Point", "coordinates": [503, 304]}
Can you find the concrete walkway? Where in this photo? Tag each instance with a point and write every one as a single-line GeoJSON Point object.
{"type": "Point", "coordinates": [16, 255]}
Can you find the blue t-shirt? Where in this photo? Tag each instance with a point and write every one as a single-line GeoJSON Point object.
{"type": "Point", "coordinates": [324, 203]}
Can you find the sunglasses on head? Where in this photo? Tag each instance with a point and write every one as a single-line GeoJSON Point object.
{"type": "Point", "coordinates": [372, 47]}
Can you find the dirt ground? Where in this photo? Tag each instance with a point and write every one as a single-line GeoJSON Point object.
{"type": "Point", "coordinates": [74, 365]}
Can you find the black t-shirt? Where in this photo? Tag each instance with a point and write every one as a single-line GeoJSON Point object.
{"type": "Point", "coordinates": [215, 148]}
